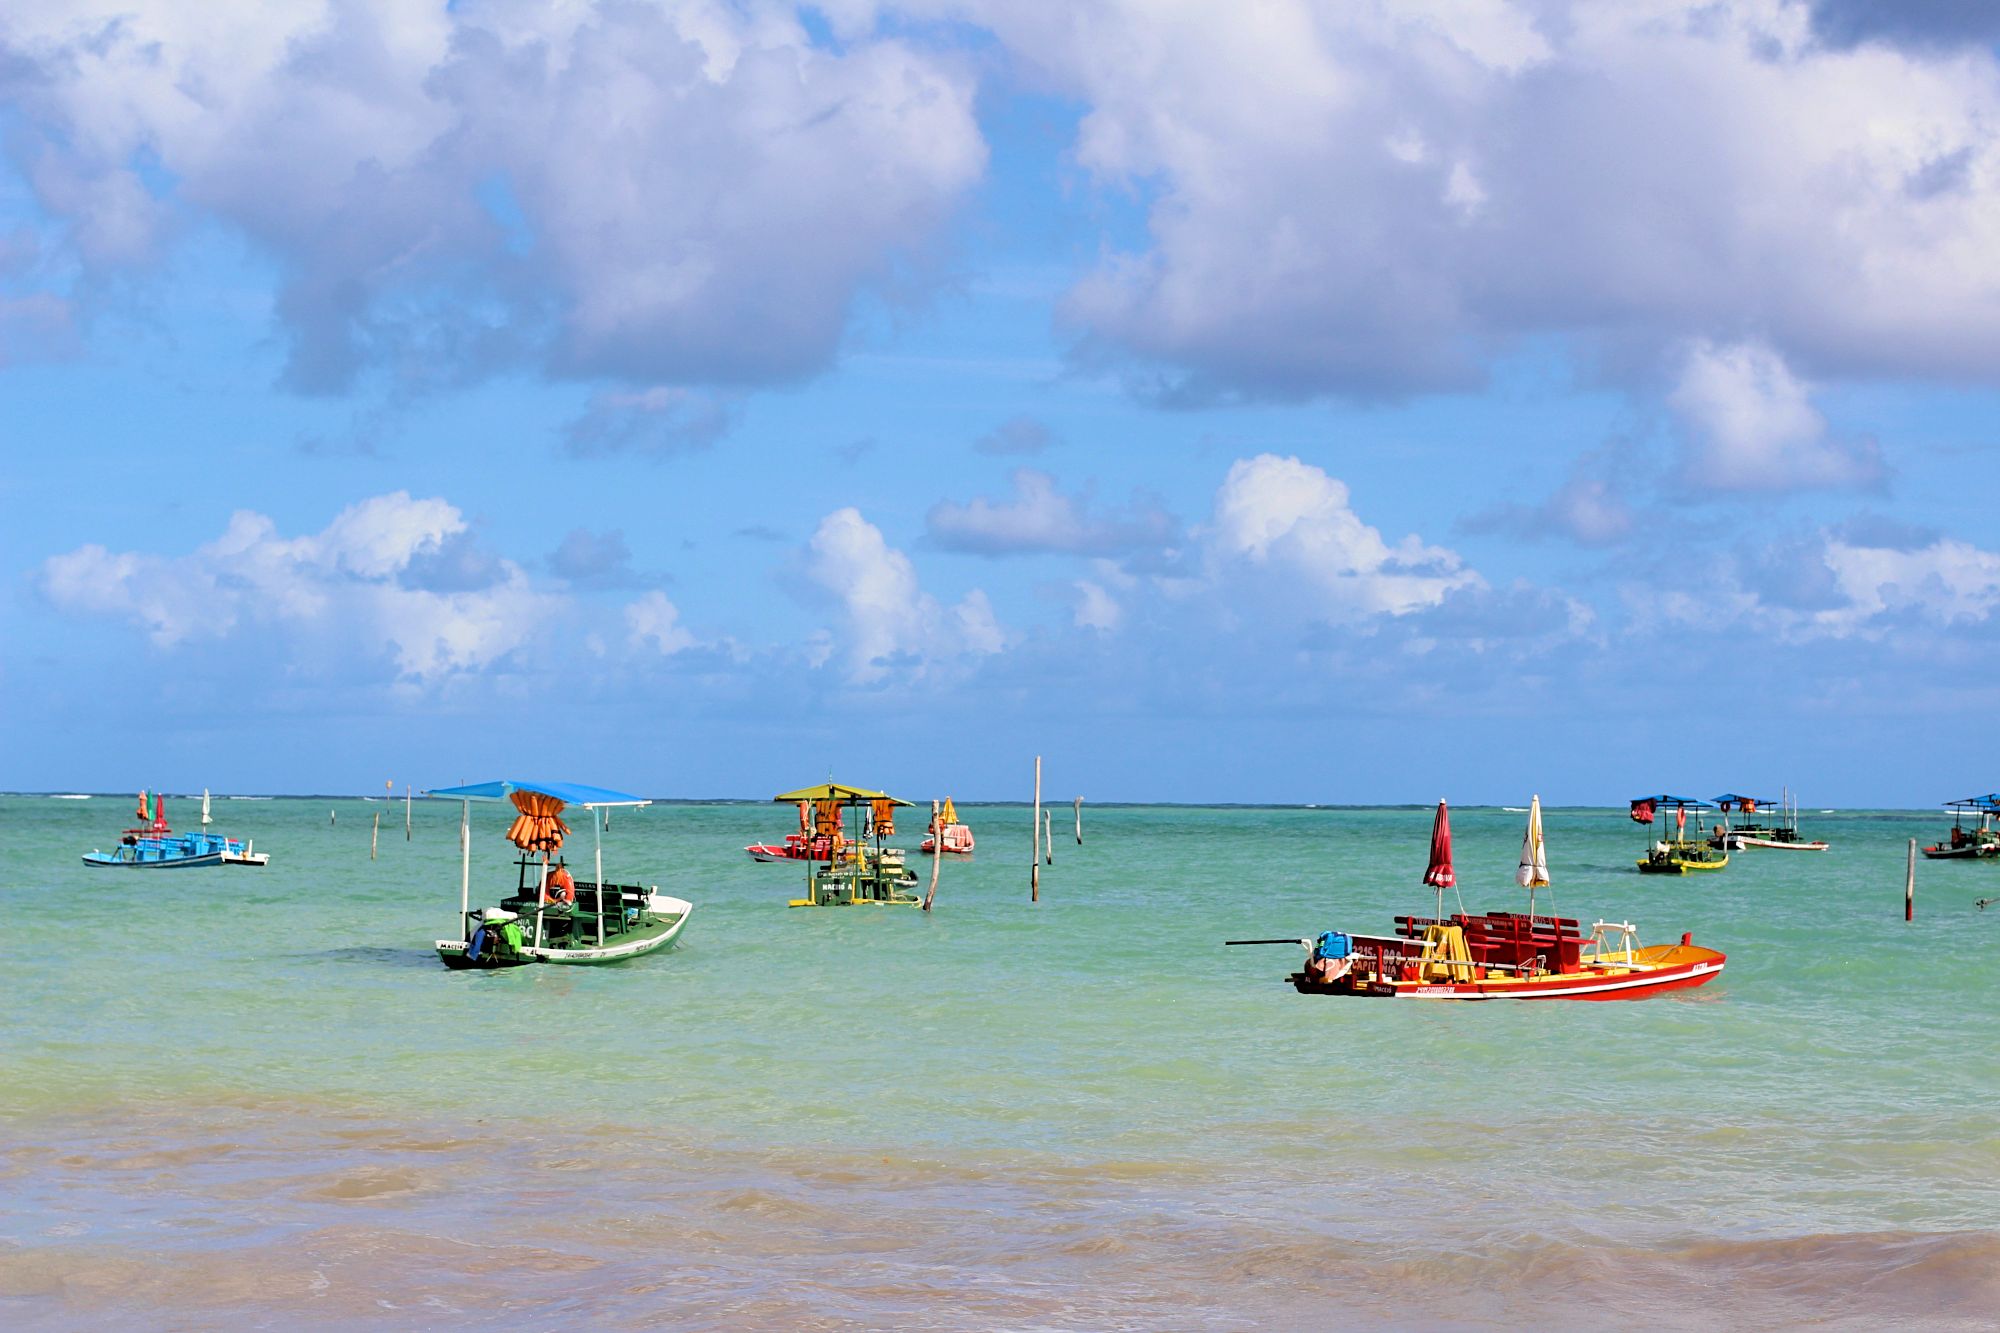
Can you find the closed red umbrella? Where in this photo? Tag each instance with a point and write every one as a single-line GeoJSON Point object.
{"type": "Point", "coordinates": [1440, 875]}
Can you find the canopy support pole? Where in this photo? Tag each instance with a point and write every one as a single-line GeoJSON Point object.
{"type": "Point", "coordinates": [541, 900]}
{"type": "Point", "coordinates": [598, 834]}
{"type": "Point", "coordinates": [464, 870]}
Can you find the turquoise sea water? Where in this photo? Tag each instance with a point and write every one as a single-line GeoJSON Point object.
{"type": "Point", "coordinates": [255, 1095]}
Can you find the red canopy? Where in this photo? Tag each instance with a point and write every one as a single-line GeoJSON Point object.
{"type": "Point", "coordinates": [1440, 875]}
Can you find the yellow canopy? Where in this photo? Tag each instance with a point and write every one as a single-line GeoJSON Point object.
{"type": "Point", "coordinates": [836, 791]}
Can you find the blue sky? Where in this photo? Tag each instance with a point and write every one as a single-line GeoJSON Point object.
{"type": "Point", "coordinates": [1279, 402]}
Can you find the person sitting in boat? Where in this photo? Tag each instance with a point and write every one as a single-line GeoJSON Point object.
{"type": "Point", "coordinates": [561, 887]}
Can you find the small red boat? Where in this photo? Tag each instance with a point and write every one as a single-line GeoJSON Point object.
{"type": "Point", "coordinates": [796, 847]}
{"type": "Point", "coordinates": [818, 839]}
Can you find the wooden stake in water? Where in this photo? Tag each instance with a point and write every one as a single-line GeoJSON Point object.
{"type": "Point", "coordinates": [937, 855]}
{"type": "Point", "coordinates": [375, 837]}
{"type": "Point", "coordinates": [1048, 837]}
{"type": "Point", "coordinates": [1910, 885]}
{"type": "Point", "coordinates": [406, 812]}
{"type": "Point", "coordinates": [1079, 821]}
{"type": "Point", "coordinates": [1035, 840]}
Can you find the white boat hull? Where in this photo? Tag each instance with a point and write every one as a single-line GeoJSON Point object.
{"type": "Point", "coordinates": [658, 904]}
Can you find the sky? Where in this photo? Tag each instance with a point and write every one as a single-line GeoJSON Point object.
{"type": "Point", "coordinates": [1235, 400]}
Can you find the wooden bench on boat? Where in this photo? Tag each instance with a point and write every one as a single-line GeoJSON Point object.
{"type": "Point", "coordinates": [1510, 939]}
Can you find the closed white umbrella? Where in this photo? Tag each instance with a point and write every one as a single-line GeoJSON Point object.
{"type": "Point", "coordinates": [1534, 871]}
{"type": "Point", "coordinates": [204, 807]}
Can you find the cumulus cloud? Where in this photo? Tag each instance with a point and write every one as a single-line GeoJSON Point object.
{"type": "Point", "coordinates": [1946, 582]}
{"type": "Point", "coordinates": [1863, 580]}
{"type": "Point", "coordinates": [1096, 608]}
{"type": "Point", "coordinates": [387, 575]}
{"type": "Point", "coordinates": [655, 621]}
{"type": "Point", "coordinates": [1750, 425]}
{"type": "Point", "coordinates": [1286, 520]}
{"type": "Point", "coordinates": [658, 194]}
{"type": "Point", "coordinates": [1041, 519]}
{"type": "Point", "coordinates": [1369, 199]}
{"type": "Point", "coordinates": [888, 623]}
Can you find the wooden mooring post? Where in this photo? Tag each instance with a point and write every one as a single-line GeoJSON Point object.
{"type": "Point", "coordinates": [1035, 840]}
{"type": "Point", "coordinates": [1910, 885]}
{"type": "Point", "coordinates": [375, 836]}
{"type": "Point", "coordinates": [1079, 821]}
{"type": "Point", "coordinates": [937, 855]}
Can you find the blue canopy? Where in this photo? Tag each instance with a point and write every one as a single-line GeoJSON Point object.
{"type": "Point", "coordinates": [1730, 798]}
{"type": "Point", "coordinates": [1691, 802]}
{"type": "Point", "coordinates": [569, 793]}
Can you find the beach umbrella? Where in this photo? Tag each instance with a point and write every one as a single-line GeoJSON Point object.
{"type": "Point", "coordinates": [1534, 871]}
{"type": "Point", "coordinates": [204, 807]}
{"type": "Point", "coordinates": [1440, 875]}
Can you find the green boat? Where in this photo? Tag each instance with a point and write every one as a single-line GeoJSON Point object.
{"type": "Point", "coordinates": [552, 917]}
{"type": "Point", "coordinates": [1981, 842]}
{"type": "Point", "coordinates": [859, 875]}
{"type": "Point", "coordinates": [1680, 854]}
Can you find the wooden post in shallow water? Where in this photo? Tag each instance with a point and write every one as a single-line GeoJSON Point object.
{"type": "Point", "coordinates": [375, 837]}
{"type": "Point", "coordinates": [1035, 840]}
{"type": "Point", "coordinates": [406, 812]}
{"type": "Point", "coordinates": [1048, 837]}
{"type": "Point", "coordinates": [1079, 821]}
{"type": "Point", "coordinates": [1910, 885]}
{"type": "Point", "coordinates": [937, 855]}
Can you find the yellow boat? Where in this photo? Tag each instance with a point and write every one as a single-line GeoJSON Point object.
{"type": "Point", "coordinates": [1681, 857]}
{"type": "Point", "coordinates": [860, 875]}
{"type": "Point", "coordinates": [1679, 854]}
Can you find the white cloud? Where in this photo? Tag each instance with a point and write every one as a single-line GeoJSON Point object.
{"type": "Point", "coordinates": [1751, 425]}
{"type": "Point", "coordinates": [654, 192]}
{"type": "Point", "coordinates": [1095, 607]}
{"type": "Point", "coordinates": [888, 621]}
{"type": "Point", "coordinates": [1289, 519]}
{"type": "Point", "coordinates": [655, 620]}
{"type": "Point", "coordinates": [1946, 582]}
{"type": "Point", "coordinates": [1040, 518]}
{"type": "Point", "coordinates": [344, 584]}
{"type": "Point", "coordinates": [1864, 581]}
{"type": "Point", "coordinates": [1369, 197]}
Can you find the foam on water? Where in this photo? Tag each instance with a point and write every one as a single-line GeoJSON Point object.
{"type": "Point", "coordinates": [1074, 1114]}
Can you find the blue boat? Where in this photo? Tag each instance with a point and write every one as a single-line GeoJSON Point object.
{"type": "Point", "coordinates": [155, 846]}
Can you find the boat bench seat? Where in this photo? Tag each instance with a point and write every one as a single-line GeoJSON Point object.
{"type": "Point", "coordinates": [1512, 939]}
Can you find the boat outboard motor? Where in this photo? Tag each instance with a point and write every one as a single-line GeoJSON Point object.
{"type": "Point", "coordinates": [1330, 957]}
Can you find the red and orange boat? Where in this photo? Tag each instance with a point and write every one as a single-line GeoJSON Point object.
{"type": "Point", "coordinates": [1498, 955]}
{"type": "Point", "coordinates": [1502, 956]}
